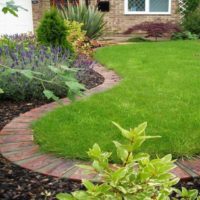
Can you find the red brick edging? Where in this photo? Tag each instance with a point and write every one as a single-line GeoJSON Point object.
{"type": "Point", "coordinates": [17, 145]}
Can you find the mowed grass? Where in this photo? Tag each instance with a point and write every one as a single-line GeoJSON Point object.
{"type": "Point", "coordinates": [160, 84]}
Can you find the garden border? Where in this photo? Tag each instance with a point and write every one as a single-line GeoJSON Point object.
{"type": "Point", "coordinates": [17, 145]}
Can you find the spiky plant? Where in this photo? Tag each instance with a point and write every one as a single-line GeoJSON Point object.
{"type": "Point", "coordinates": [92, 19]}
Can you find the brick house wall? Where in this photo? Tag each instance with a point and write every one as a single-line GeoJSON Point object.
{"type": "Point", "coordinates": [117, 20]}
{"type": "Point", "coordinates": [38, 10]}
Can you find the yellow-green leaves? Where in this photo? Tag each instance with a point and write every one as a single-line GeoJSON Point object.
{"type": "Point", "coordinates": [124, 132]}
{"type": "Point", "coordinates": [100, 158]}
{"type": "Point", "coordinates": [136, 136]}
{"type": "Point", "coordinates": [122, 152]}
{"type": "Point", "coordinates": [1, 91]}
{"type": "Point", "coordinates": [50, 95]}
{"type": "Point", "coordinates": [133, 133]}
{"type": "Point", "coordinates": [136, 178]}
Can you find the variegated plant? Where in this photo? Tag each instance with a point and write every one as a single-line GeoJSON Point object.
{"type": "Point", "coordinates": [137, 177]}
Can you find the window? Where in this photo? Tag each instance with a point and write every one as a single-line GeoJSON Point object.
{"type": "Point", "coordinates": [147, 6]}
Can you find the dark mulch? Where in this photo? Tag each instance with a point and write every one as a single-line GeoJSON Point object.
{"type": "Point", "coordinates": [192, 184]}
{"type": "Point", "coordinates": [10, 110]}
{"type": "Point", "coordinates": [90, 78]}
{"type": "Point", "coordinates": [20, 184]}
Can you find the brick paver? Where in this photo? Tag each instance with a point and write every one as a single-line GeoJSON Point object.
{"type": "Point", "coordinates": [17, 145]}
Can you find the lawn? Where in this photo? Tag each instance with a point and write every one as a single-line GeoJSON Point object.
{"type": "Point", "coordinates": [160, 84]}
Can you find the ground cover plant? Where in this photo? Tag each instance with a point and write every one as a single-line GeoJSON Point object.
{"type": "Point", "coordinates": [160, 84]}
{"type": "Point", "coordinates": [184, 35]}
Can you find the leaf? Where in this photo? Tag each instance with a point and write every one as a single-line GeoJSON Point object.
{"type": "Point", "coordinates": [54, 69]}
{"type": "Point", "coordinates": [95, 152]}
{"type": "Point", "coordinates": [144, 157]}
{"type": "Point", "coordinates": [8, 72]}
{"type": "Point", "coordinates": [86, 167]}
{"type": "Point", "coordinates": [118, 175]}
{"type": "Point", "coordinates": [141, 128]}
{"type": "Point", "coordinates": [74, 85]}
{"type": "Point", "coordinates": [6, 10]}
{"type": "Point", "coordinates": [1, 91]}
{"type": "Point", "coordinates": [124, 132]}
{"type": "Point", "coordinates": [193, 194]}
{"type": "Point", "coordinates": [97, 166]}
{"type": "Point", "coordinates": [122, 153]}
{"type": "Point", "coordinates": [88, 184]}
{"type": "Point", "coordinates": [82, 195]}
{"type": "Point", "coordinates": [27, 73]}
{"type": "Point", "coordinates": [184, 192]}
{"type": "Point", "coordinates": [64, 196]}
{"type": "Point", "coordinates": [50, 95]}
{"type": "Point", "coordinates": [167, 158]}
{"type": "Point", "coordinates": [68, 69]}
{"type": "Point", "coordinates": [122, 189]}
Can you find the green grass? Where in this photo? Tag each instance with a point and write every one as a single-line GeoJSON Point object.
{"type": "Point", "coordinates": [161, 85]}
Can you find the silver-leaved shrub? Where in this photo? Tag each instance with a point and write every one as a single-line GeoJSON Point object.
{"type": "Point", "coordinates": [137, 177]}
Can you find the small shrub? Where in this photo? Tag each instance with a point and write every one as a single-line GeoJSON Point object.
{"type": "Point", "coordinates": [77, 37]}
{"type": "Point", "coordinates": [90, 17]}
{"type": "Point", "coordinates": [184, 35]}
{"type": "Point", "coordinates": [191, 21]}
{"type": "Point", "coordinates": [137, 178]}
{"type": "Point", "coordinates": [138, 39]}
{"type": "Point", "coordinates": [52, 30]}
{"type": "Point", "coordinates": [154, 29]}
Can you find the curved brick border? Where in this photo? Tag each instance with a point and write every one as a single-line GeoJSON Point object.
{"type": "Point", "coordinates": [17, 145]}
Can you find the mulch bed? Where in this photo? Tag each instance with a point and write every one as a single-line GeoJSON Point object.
{"type": "Point", "coordinates": [21, 184]}
{"type": "Point", "coordinates": [91, 79]}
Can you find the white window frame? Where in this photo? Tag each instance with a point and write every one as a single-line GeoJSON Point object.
{"type": "Point", "coordinates": [147, 9]}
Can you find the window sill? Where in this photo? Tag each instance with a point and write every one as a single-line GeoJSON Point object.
{"type": "Point", "coordinates": [147, 13]}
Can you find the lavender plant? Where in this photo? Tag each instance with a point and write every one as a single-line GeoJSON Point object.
{"type": "Point", "coordinates": [31, 71]}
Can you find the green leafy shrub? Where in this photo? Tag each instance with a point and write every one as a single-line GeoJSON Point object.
{"type": "Point", "coordinates": [185, 35]}
{"type": "Point", "coordinates": [77, 37]}
{"type": "Point", "coordinates": [52, 30]}
{"type": "Point", "coordinates": [190, 6]}
{"type": "Point", "coordinates": [138, 39]}
{"type": "Point", "coordinates": [90, 17]}
{"type": "Point", "coordinates": [137, 178]}
{"type": "Point", "coordinates": [191, 21]}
